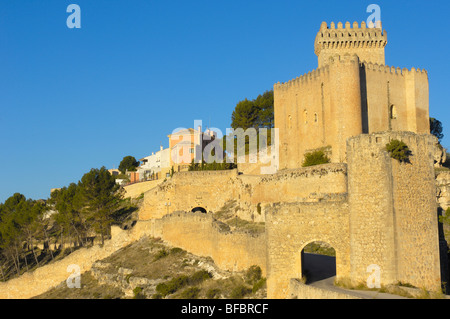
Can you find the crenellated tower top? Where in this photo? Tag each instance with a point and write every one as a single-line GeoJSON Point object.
{"type": "Point", "coordinates": [366, 41]}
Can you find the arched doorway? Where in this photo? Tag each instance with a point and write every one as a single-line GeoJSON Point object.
{"type": "Point", "coordinates": [318, 262]}
{"type": "Point", "coordinates": [198, 210]}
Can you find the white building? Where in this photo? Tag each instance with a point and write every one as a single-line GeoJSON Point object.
{"type": "Point", "coordinates": [155, 166]}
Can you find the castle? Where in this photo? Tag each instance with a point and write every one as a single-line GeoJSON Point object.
{"type": "Point", "coordinates": [352, 92]}
{"type": "Point", "coordinates": [372, 209]}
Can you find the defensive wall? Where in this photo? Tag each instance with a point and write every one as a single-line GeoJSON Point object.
{"type": "Point", "coordinates": [137, 189]}
{"type": "Point", "coordinates": [389, 219]}
{"type": "Point", "coordinates": [213, 189]}
{"type": "Point", "coordinates": [194, 232]}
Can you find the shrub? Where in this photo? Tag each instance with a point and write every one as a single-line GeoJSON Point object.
{"type": "Point", "coordinates": [253, 274]}
{"type": "Point", "coordinates": [172, 286]}
{"type": "Point", "coordinates": [239, 292]}
{"type": "Point", "coordinates": [190, 293]}
{"type": "Point", "coordinates": [176, 250]}
{"type": "Point", "coordinates": [138, 294]}
{"type": "Point", "coordinates": [259, 284]}
{"type": "Point", "coordinates": [213, 293]}
{"type": "Point", "coordinates": [398, 150]}
{"type": "Point", "coordinates": [161, 254]}
{"type": "Point", "coordinates": [199, 277]}
{"type": "Point", "coordinates": [315, 158]}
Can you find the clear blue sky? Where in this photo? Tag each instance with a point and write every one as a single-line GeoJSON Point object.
{"type": "Point", "coordinates": [76, 99]}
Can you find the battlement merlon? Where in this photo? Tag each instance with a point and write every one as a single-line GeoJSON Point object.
{"type": "Point", "coordinates": [368, 42]}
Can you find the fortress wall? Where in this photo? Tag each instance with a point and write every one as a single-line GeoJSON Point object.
{"type": "Point", "coordinates": [187, 190]}
{"type": "Point", "coordinates": [414, 187]}
{"type": "Point", "coordinates": [319, 109]}
{"type": "Point", "coordinates": [212, 189]}
{"type": "Point", "coordinates": [371, 209]}
{"type": "Point", "coordinates": [295, 185]}
{"type": "Point", "coordinates": [300, 106]}
{"type": "Point", "coordinates": [406, 90]}
{"type": "Point", "coordinates": [393, 210]}
{"type": "Point", "coordinates": [290, 227]}
{"type": "Point", "coordinates": [200, 235]}
{"type": "Point", "coordinates": [135, 190]}
{"type": "Point", "coordinates": [196, 233]}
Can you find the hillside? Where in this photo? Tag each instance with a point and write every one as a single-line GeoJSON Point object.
{"type": "Point", "coordinates": [149, 268]}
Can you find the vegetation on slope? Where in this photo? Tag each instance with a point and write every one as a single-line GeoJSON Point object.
{"type": "Point", "coordinates": [151, 269]}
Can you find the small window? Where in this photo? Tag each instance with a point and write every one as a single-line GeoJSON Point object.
{"type": "Point", "coordinates": [191, 150]}
{"type": "Point", "coordinates": [393, 112]}
{"type": "Point", "coordinates": [305, 116]}
{"type": "Point", "coordinates": [316, 118]}
{"type": "Point", "coordinates": [289, 121]}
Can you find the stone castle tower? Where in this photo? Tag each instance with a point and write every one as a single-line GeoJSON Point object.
{"type": "Point", "coordinates": [351, 92]}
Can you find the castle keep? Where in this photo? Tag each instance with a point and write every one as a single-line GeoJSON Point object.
{"type": "Point", "coordinates": [352, 92]}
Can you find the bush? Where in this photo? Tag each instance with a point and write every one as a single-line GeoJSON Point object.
{"type": "Point", "coordinates": [138, 294]}
{"type": "Point", "coordinates": [176, 250]}
{"type": "Point", "coordinates": [239, 292]}
{"type": "Point", "coordinates": [398, 150]}
{"type": "Point", "coordinates": [213, 293]}
{"type": "Point", "coordinates": [259, 284]}
{"type": "Point", "coordinates": [190, 293]}
{"type": "Point", "coordinates": [172, 286]}
{"type": "Point", "coordinates": [315, 158]}
{"type": "Point", "coordinates": [253, 274]}
{"type": "Point", "coordinates": [161, 254]}
{"type": "Point", "coordinates": [199, 277]}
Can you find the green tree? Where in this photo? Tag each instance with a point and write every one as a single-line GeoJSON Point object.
{"type": "Point", "coordinates": [68, 203]}
{"type": "Point", "coordinates": [101, 197]}
{"type": "Point", "coordinates": [436, 128]}
{"type": "Point", "coordinates": [245, 115]}
{"type": "Point", "coordinates": [128, 163]}
{"type": "Point", "coordinates": [257, 113]}
{"type": "Point", "coordinates": [11, 235]}
{"type": "Point", "coordinates": [27, 217]}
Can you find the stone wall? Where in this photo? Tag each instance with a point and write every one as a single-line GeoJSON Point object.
{"type": "Point", "coordinates": [194, 232]}
{"type": "Point", "coordinates": [290, 227]}
{"type": "Point", "coordinates": [212, 189]}
{"type": "Point", "coordinates": [137, 189]}
{"type": "Point", "coordinates": [201, 235]}
{"type": "Point", "coordinates": [393, 213]}
{"type": "Point", "coordinates": [187, 190]}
